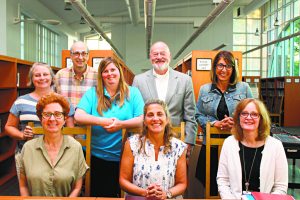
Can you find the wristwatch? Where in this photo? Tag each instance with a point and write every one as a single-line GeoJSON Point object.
{"type": "Point", "coordinates": [169, 194]}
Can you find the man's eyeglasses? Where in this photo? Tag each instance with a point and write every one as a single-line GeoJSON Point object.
{"type": "Point", "coordinates": [78, 53]}
{"type": "Point", "coordinates": [57, 115]}
{"type": "Point", "coordinates": [221, 66]}
{"type": "Point", "coordinates": [253, 115]}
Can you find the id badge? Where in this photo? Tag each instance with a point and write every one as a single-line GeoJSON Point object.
{"type": "Point", "coordinates": [246, 192]}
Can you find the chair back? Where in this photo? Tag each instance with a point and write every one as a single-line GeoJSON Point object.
{"type": "Point", "coordinates": [212, 139]}
{"type": "Point", "coordinates": [85, 142]}
{"type": "Point", "coordinates": [277, 109]}
{"type": "Point", "coordinates": [179, 131]}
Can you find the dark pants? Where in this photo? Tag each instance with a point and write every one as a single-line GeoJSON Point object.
{"type": "Point", "coordinates": [104, 178]}
{"type": "Point", "coordinates": [201, 167]}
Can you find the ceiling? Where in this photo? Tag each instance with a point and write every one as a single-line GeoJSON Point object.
{"type": "Point", "coordinates": [106, 11]}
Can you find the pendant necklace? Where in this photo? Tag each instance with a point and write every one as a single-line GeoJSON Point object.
{"type": "Point", "coordinates": [247, 182]}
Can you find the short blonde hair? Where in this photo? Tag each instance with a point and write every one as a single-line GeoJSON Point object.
{"type": "Point", "coordinates": [264, 120]}
{"type": "Point", "coordinates": [30, 74]}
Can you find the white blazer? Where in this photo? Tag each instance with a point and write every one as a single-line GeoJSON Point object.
{"type": "Point", "coordinates": [273, 169]}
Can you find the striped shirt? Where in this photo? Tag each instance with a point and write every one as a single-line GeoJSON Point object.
{"type": "Point", "coordinates": [73, 88]}
{"type": "Point", "coordinates": [24, 108]}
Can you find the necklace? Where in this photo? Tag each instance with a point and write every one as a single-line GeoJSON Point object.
{"type": "Point", "coordinates": [247, 182]}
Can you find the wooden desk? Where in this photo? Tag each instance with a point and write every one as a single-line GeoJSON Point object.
{"type": "Point", "coordinates": [63, 198]}
{"type": "Point", "coordinates": [49, 198]}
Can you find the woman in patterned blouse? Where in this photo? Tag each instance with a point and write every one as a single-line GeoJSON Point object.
{"type": "Point", "coordinates": [154, 163]}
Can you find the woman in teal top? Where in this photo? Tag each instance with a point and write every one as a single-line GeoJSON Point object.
{"type": "Point", "coordinates": [109, 107]}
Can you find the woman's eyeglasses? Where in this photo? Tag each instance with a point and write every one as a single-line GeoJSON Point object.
{"type": "Point", "coordinates": [253, 115]}
{"type": "Point", "coordinates": [57, 115]}
{"type": "Point", "coordinates": [221, 66]}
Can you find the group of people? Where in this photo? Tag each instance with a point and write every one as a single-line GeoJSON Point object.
{"type": "Point", "coordinates": [153, 163]}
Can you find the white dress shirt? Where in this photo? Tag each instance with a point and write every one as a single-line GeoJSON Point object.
{"type": "Point", "coordinates": [161, 82]}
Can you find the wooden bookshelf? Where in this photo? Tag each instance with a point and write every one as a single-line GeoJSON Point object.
{"type": "Point", "coordinates": [254, 83]}
{"type": "Point", "coordinates": [201, 75]}
{"type": "Point", "coordinates": [8, 93]}
{"type": "Point", "coordinates": [272, 89]}
{"type": "Point", "coordinates": [95, 57]}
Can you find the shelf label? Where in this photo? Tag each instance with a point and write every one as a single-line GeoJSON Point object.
{"type": "Point", "coordinates": [203, 64]}
{"type": "Point", "coordinates": [256, 80]}
{"type": "Point", "coordinates": [248, 80]}
{"type": "Point", "coordinates": [288, 80]}
{"type": "Point", "coordinates": [297, 80]}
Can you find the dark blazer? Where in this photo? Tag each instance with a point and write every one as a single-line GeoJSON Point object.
{"type": "Point", "coordinates": [180, 99]}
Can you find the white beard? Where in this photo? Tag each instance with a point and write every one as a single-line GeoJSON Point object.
{"type": "Point", "coordinates": [162, 67]}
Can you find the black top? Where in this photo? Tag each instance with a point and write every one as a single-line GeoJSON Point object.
{"type": "Point", "coordinates": [254, 183]}
{"type": "Point", "coordinates": [222, 109]}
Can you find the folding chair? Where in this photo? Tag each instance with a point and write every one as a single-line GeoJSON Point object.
{"type": "Point", "coordinates": [85, 142]}
{"type": "Point", "coordinates": [210, 131]}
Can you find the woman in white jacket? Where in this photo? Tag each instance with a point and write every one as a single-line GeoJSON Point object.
{"type": "Point", "coordinates": [251, 160]}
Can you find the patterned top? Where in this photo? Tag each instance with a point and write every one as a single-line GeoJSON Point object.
{"type": "Point", "coordinates": [146, 170]}
{"type": "Point", "coordinates": [67, 85]}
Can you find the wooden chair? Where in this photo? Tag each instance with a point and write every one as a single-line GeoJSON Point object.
{"type": "Point", "coordinates": [277, 110]}
{"type": "Point", "coordinates": [180, 131]}
{"type": "Point", "coordinates": [84, 142]}
{"type": "Point", "coordinates": [210, 131]}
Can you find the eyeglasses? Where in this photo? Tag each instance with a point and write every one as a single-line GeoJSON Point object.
{"type": "Point", "coordinates": [78, 53]}
{"type": "Point", "coordinates": [57, 115]}
{"type": "Point", "coordinates": [253, 115]}
{"type": "Point", "coordinates": [221, 66]}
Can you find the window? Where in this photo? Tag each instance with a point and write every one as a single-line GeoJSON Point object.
{"type": "Point", "coordinates": [96, 41]}
{"type": "Point", "coordinates": [244, 39]}
{"type": "Point", "coordinates": [39, 43]}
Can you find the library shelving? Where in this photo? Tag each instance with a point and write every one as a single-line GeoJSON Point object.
{"type": "Point", "coordinates": [197, 64]}
{"type": "Point", "coordinates": [254, 83]}
{"type": "Point", "coordinates": [282, 96]}
{"type": "Point", "coordinates": [95, 57]}
{"type": "Point", "coordinates": [12, 84]}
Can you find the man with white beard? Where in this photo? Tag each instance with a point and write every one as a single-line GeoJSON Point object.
{"type": "Point", "coordinates": [173, 87]}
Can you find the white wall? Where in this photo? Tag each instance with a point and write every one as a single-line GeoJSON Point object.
{"type": "Point", "coordinates": [11, 33]}
{"type": "Point", "coordinates": [131, 40]}
{"type": "Point", "coordinates": [3, 26]}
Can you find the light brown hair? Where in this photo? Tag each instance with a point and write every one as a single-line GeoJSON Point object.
{"type": "Point", "coordinates": [264, 120]}
{"type": "Point", "coordinates": [104, 103]}
{"type": "Point", "coordinates": [168, 129]}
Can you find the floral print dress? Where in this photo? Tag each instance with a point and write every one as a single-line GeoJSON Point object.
{"type": "Point", "coordinates": [146, 170]}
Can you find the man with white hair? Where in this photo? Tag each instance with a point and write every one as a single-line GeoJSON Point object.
{"type": "Point", "coordinates": [173, 87]}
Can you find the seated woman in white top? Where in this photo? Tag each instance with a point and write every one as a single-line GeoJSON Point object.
{"type": "Point", "coordinates": [251, 160]}
{"type": "Point", "coordinates": [154, 163]}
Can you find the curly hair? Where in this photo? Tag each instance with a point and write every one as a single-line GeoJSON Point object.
{"type": "Point", "coordinates": [229, 59]}
{"type": "Point", "coordinates": [52, 98]}
{"type": "Point", "coordinates": [264, 120]}
{"type": "Point", "coordinates": [168, 133]}
{"type": "Point", "coordinates": [105, 103]}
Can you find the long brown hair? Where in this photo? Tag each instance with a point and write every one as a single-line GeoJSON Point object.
{"type": "Point", "coordinates": [168, 133]}
{"type": "Point", "coordinates": [264, 120]}
{"type": "Point", "coordinates": [229, 59]}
